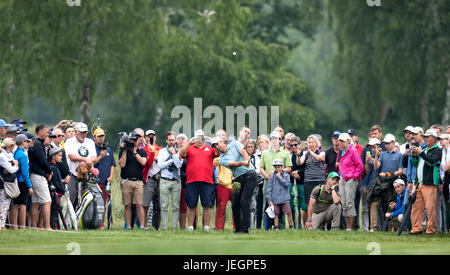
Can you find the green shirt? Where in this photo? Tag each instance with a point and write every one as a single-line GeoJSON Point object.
{"type": "Point", "coordinates": [322, 197]}
{"type": "Point", "coordinates": [268, 156]}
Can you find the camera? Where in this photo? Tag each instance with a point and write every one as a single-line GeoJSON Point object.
{"type": "Point", "coordinates": [128, 140]}
{"type": "Point", "coordinates": [172, 167]}
{"type": "Point", "coordinates": [104, 146]}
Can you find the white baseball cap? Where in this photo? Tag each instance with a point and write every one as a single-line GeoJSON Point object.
{"type": "Point", "coordinates": [344, 137]}
{"type": "Point", "coordinates": [216, 140]}
{"type": "Point", "coordinates": [416, 130]}
{"type": "Point", "coordinates": [275, 134]}
{"type": "Point", "coordinates": [270, 212]}
{"type": "Point", "coordinates": [374, 141]}
{"type": "Point", "coordinates": [199, 133]}
{"type": "Point", "coordinates": [389, 138]}
{"type": "Point", "coordinates": [81, 127]}
{"type": "Point", "coordinates": [181, 136]}
{"type": "Point", "coordinates": [150, 132]}
{"type": "Point", "coordinates": [430, 132]}
{"type": "Point", "coordinates": [399, 181]}
{"type": "Point", "coordinates": [408, 128]}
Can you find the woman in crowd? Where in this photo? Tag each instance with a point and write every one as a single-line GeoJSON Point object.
{"type": "Point", "coordinates": [314, 169]}
{"type": "Point", "coordinates": [8, 168]}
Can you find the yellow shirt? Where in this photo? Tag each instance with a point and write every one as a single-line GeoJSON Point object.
{"type": "Point", "coordinates": [225, 176]}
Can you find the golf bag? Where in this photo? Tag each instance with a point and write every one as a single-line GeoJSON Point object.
{"type": "Point", "coordinates": [91, 211]}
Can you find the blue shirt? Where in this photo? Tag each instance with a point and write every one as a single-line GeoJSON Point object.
{"type": "Point", "coordinates": [105, 164]}
{"type": "Point", "coordinates": [23, 174]}
{"type": "Point", "coordinates": [400, 203]}
{"type": "Point", "coordinates": [234, 155]}
{"type": "Point", "coordinates": [390, 162]}
{"type": "Point", "coordinates": [411, 171]}
{"type": "Point", "coordinates": [165, 159]}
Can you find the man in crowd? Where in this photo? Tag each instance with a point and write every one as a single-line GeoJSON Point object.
{"type": "Point", "coordinates": [395, 213]}
{"type": "Point", "coordinates": [150, 176]}
{"type": "Point", "coordinates": [332, 153]}
{"type": "Point", "coordinates": [235, 157]}
{"type": "Point", "coordinates": [388, 163]}
{"type": "Point", "coordinates": [169, 186]}
{"type": "Point", "coordinates": [417, 141]}
{"type": "Point", "coordinates": [324, 205]}
{"type": "Point", "coordinates": [408, 139]}
{"type": "Point", "coordinates": [40, 173]}
{"type": "Point", "coordinates": [79, 149]}
{"type": "Point", "coordinates": [224, 179]}
{"type": "Point", "coordinates": [106, 165]}
{"type": "Point", "coordinates": [132, 160]}
{"type": "Point", "coordinates": [266, 167]}
{"type": "Point", "coordinates": [427, 162]}
{"type": "Point", "coordinates": [297, 177]}
{"type": "Point", "coordinates": [199, 183]}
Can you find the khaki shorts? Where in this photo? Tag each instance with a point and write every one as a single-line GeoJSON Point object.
{"type": "Point", "coordinates": [41, 193]}
{"type": "Point", "coordinates": [132, 192]}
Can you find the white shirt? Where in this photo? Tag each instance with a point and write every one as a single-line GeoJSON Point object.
{"type": "Point", "coordinates": [5, 159]}
{"type": "Point", "coordinates": [165, 160]}
{"type": "Point", "coordinates": [84, 150]}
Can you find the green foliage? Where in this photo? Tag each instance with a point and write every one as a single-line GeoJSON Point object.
{"type": "Point", "coordinates": [393, 60]}
{"type": "Point", "coordinates": [145, 55]}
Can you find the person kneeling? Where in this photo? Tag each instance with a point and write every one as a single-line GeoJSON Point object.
{"type": "Point", "coordinates": [324, 205]}
{"type": "Point", "coordinates": [278, 192]}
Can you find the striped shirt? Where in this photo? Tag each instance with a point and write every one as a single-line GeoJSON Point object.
{"type": "Point", "coordinates": [314, 170]}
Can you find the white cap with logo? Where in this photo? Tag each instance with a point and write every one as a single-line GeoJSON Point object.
{"type": "Point", "coordinates": [389, 138]}
{"type": "Point", "coordinates": [81, 127]}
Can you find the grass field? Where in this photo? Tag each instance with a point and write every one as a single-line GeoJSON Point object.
{"type": "Point", "coordinates": [284, 242]}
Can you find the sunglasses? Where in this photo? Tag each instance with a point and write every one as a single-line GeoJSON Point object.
{"type": "Point", "coordinates": [294, 145]}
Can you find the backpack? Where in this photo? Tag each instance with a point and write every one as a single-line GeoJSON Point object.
{"type": "Point", "coordinates": [91, 212]}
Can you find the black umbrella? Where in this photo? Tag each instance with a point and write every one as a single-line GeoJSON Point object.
{"type": "Point", "coordinates": [407, 214]}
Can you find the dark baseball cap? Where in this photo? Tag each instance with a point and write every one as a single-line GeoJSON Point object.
{"type": "Point", "coordinates": [352, 132]}
{"type": "Point", "coordinates": [336, 133]}
{"type": "Point", "coordinates": [29, 135]}
{"type": "Point", "coordinates": [18, 121]}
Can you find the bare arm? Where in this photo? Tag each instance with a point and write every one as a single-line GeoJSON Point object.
{"type": "Point", "coordinates": [123, 159]}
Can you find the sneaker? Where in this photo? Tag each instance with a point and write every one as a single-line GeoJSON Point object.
{"type": "Point", "coordinates": [206, 228]}
{"type": "Point", "coordinates": [349, 229]}
{"type": "Point", "coordinates": [190, 228]}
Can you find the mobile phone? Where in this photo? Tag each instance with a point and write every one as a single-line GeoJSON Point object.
{"type": "Point", "coordinates": [152, 140]}
{"type": "Point", "coordinates": [407, 146]}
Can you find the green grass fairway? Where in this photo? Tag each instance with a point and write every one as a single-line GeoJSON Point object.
{"type": "Point", "coordinates": [285, 242]}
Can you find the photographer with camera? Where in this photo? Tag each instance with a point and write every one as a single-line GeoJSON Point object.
{"type": "Point", "coordinates": [169, 185]}
{"type": "Point", "coordinates": [324, 204]}
{"type": "Point", "coordinates": [132, 160]}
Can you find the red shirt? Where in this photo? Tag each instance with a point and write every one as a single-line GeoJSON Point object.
{"type": "Point", "coordinates": [200, 164]}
